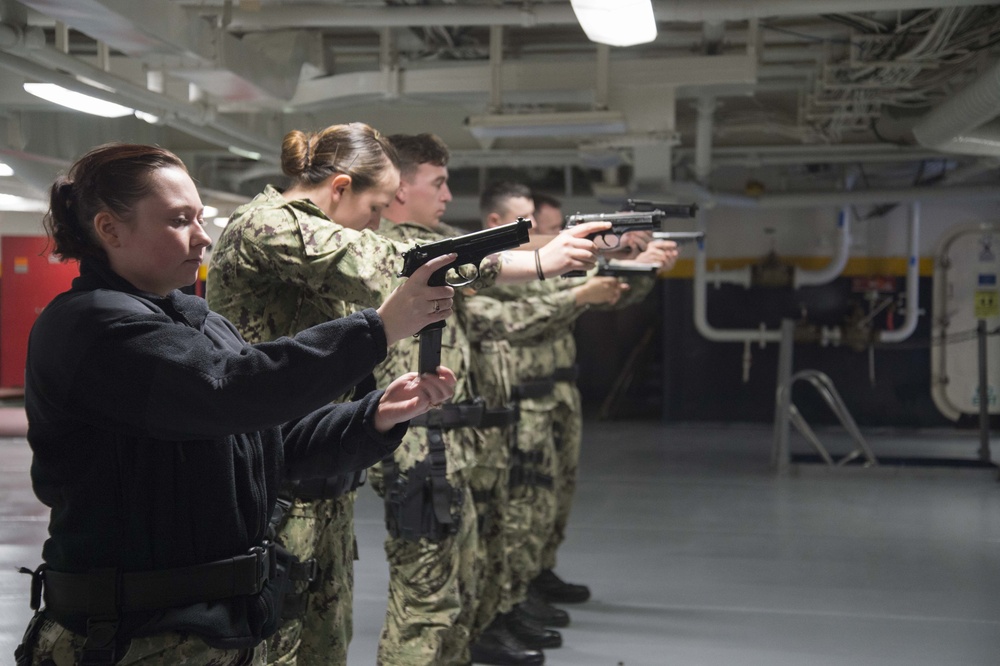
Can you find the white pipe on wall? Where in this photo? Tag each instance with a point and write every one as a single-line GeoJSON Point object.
{"type": "Point", "coordinates": [703, 139]}
{"type": "Point", "coordinates": [912, 283]}
{"type": "Point", "coordinates": [805, 278]}
{"type": "Point", "coordinates": [761, 335]}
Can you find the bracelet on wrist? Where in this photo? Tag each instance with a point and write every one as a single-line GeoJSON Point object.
{"type": "Point", "coordinates": [538, 266]}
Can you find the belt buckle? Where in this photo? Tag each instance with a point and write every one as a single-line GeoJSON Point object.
{"type": "Point", "coordinates": [265, 562]}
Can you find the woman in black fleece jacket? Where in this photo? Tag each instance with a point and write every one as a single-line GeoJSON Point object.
{"type": "Point", "coordinates": [159, 435]}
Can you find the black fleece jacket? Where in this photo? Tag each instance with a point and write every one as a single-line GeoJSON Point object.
{"type": "Point", "coordinates": [160, 436]}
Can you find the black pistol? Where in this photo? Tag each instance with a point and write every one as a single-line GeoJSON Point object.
{"type": "Point", "coordinates": [471, 249]}
{"type": "Point", "coordinates": [639, 215]}
{"type": "Point", "coordinates": [615, 268]}
{"type": "Point", "coordinates": [662, 209]}
{"type": "Point", "coordinates": [679, 237]}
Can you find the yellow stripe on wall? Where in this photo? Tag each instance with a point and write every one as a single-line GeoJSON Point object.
{"type": "Point", "coordinates": [859, 266]}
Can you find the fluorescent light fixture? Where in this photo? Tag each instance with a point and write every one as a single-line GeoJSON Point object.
{"type": "Point", "coordinates": [221, 222]}
{"type": "Point", "coordinates": [576, 123]}
{"type": "Point", "coordinates": [5, 170]}
{"type": "Point", "coordinates": [16, 204]}
{"type": "Point", "coordinates": [209, 211]}
{"type": "Point", "coordinates": [77, 101]}
{"type": "Point", "coordinates": [242, 152]}
{"type": "Point", "coordinates": [616, 22]}
{"type": "Point", "coordinates": [148, 117]}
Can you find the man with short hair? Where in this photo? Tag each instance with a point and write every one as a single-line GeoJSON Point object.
{"type": "Point", "coordinates": [548, 213]}
{"type": "Point", "coordinates": [544, 476]}
{"type": "Point", "coordinates": [435, 565]}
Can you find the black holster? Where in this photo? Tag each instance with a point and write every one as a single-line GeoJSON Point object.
{"type": "Point", "coordinates": [23, 652]}
{"type": "Point", "coordinates": [422, 504]}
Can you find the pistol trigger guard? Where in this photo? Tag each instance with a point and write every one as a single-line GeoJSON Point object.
{"type": "Point", "coordinates": [462, 283]}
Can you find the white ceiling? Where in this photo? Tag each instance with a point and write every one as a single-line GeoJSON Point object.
{"type": "Point", "coordinates": [771, 98]}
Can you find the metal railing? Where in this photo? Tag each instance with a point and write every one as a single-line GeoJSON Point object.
{"type": "Point", "coordinates": [824, 385]}
{"type": "Point", "coordinates": [786, 413]}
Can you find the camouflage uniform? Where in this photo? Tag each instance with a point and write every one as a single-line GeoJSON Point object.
{"type": "Point", "coordinates": [555, 335]}
{"type": "Point", "coordinates": [58, 646]}
{"type": "Point", "coordinates": [490, 371]}
{"type": "Point", "coordinates": [280, 267]}
{"type": "Point", "coordinates": [567, 418]}
{"type": "Point", "coordinates": [432, 582]}
{"type": "Point", "coordinates": [522, 509]}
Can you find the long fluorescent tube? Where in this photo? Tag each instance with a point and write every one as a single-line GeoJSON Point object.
{"type": "Point", "coordinates": [5, 170]}
{"type": "Point", "coordinates": [616, 22]}
{"type": "Point", "coordinates": [242, 152]}
{"type": "Point", "coordinates": [77, 101]}
{"type": "Point", "coordinates": [579, 123]}
{"type": "Point", "coordinates": [15, 204]}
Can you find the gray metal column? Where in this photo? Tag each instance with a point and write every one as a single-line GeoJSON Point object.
{"type": "Point", "coordinates": [984, 404]}
{"type": "Point", "coordinates": [780, 456]}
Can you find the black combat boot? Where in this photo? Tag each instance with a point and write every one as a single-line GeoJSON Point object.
{"type": "Point", "coordinates": [555, 590]}
{"type": "Point", "coordinates": [499, 647]}
{"type": "Point", "coordinates": [532, 633]}
{"type": "Point", "coordinates": [541, 612]}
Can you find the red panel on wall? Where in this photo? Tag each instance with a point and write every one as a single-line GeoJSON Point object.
{"type": "Point", "coordinates": [30, 278]}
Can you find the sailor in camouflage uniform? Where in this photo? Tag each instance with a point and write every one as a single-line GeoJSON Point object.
{"type": "Point", "coordinates": [432, 572]}
{"type": "Point", "coordinates": [436, 579]}
{"type": "Point", "coordinates": [283, 264]}
{"type": "Point", "coordinates": [532, 505]}
{"type": "Point", "coordinates": [567, 413]}
{"type": "Point", "coordinates": [493, 326]}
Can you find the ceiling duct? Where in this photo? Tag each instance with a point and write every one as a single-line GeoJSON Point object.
{"type": "Point", "coordinates": [959, 125]}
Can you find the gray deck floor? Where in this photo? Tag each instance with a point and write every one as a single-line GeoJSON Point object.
{"type": "Point", "coordinates": [698, 555]}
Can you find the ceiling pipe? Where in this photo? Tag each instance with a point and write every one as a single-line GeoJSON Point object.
{"type": "Point", "coordinates": [273, 17]}
{"type": "Point", "coordinates": [712, 199]}
{"type": "Point", "coordinates": [837, 199]}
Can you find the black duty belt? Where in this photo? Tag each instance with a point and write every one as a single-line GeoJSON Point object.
{"type": "Point", "coordinates": [452, 415]}
{"type": "Point", "coordinates": [501, 417]}
{"type": "Point", "coordinates": [107, 592]}
{"type": "Point", "coordinates": [568, 374]}
{"type": "Point", "coordinates": [533, 389]}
